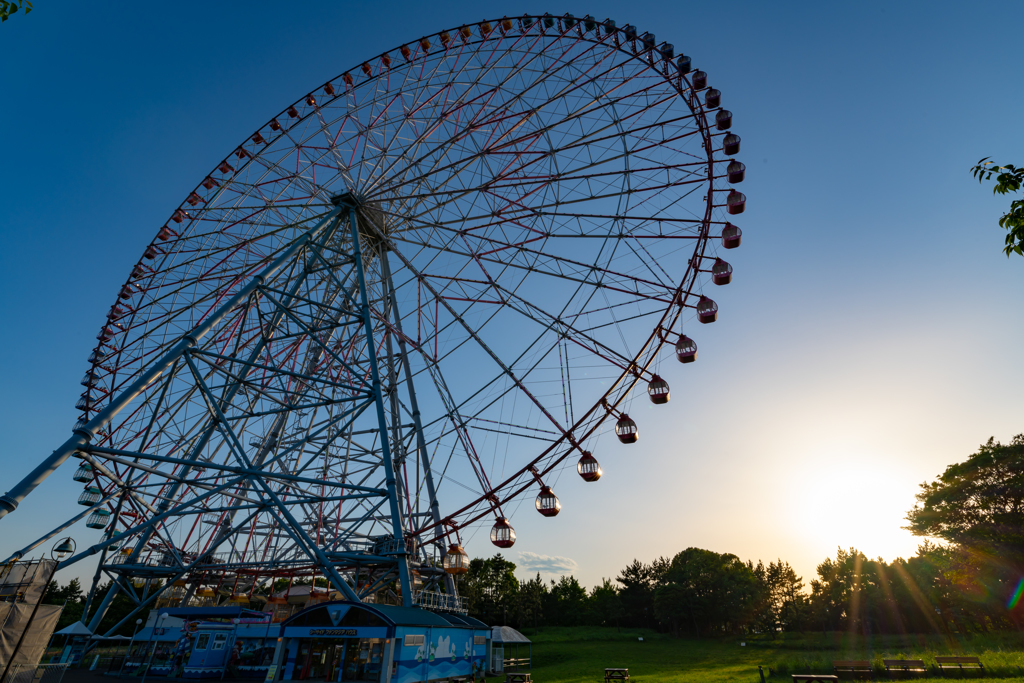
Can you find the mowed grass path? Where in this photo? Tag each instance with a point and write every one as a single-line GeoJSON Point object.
{"type": "Point", "coordinates": [580, 655]}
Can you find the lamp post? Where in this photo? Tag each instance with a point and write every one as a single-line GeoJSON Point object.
{"type": "Point", "coordinates": [138, 623]}
{"type": "Point", "coordinates": [58, 552]}
{"type": "Point", "coordinates": [157, 624]}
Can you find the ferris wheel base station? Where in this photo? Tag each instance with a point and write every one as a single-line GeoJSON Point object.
{"type": "Point", "coordinates": [333, 641]}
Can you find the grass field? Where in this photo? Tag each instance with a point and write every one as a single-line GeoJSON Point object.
{"type": "Point", "coordinates": [580, 655]}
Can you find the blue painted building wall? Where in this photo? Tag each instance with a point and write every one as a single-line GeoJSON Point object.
{"type": "Point", "coordinates": [446, 652]}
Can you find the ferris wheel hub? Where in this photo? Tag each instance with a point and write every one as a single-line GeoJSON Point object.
{"type": "Point", "coordinates": [349, 199]}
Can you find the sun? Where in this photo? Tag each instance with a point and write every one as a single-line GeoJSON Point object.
{"type": "Point", "coordinates": [850, 500]}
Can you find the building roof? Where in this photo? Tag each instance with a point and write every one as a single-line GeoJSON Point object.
{"type": "Point", "coordinates": [392, 614]}
{"type": "Point", "coordinates": [226, 612]}
{"type": "Point", "coordinates": [507, 634]}
{"type": "Point", "coordinates": [408, 616]}
{"type": "Point", "coordinates": [75, 629]}
{"type": "Point", "coordinates": [464, 620]}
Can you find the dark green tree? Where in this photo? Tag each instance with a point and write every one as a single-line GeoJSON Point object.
{"type": "Point", "coordinates": [781, 604]}
{"type": "Point", "coordinates": [1009, 179]}
{"type": "Point", "coordinates": [605, 606]}
{"type": "Point", "coordinates": [490, 587]}
{"type": "Point", "coordinates": [978, 505]}
{"type": "Point", "coordinates": [71, 597]}
{"type": "Point", "coordinates": [708, 592]}
{"type": "Point", "coordinates": [639, 583]}
{"type": "Point", "coordinates": [530, 600]}
{"type": "Point", "coordinates": [566, 603]}
{"type": "Point", "coordinates": [8, 8]}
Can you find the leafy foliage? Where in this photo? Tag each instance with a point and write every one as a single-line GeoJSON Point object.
{"type": "Point", "coordinates": [978, 504]}
{"type": "Point", "coordinates": [1009, 179]}
{"type": "Point", "coordinates": [708, 592]}
{"type": "Point", "coordinates": [490, 586]}
{"type": "Point", "coordinates": [11, 7]}
{"type": "Point", "coordinates": [781, 605]}
{"type": "Point", "coordinates": [71, 596]}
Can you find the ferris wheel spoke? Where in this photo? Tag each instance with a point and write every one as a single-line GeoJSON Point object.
{"type": "Point", "coordinates": [516, 142]}
{"type": "Point", "coordinates": [437, 153]}
{"type": "Point", "coordinates": [660, 289]}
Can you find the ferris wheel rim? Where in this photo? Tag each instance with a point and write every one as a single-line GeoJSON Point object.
{"type": "Point", "coordinates": [628, 375]}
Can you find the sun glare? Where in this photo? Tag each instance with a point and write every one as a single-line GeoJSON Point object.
{"type": "Point", "coordinates": [849, 500]}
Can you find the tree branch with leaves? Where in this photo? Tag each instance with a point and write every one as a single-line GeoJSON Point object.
{"type": "Point", "coordinates": [11, 7]}
{"type": "Point", "coordinates": [1009, 179]}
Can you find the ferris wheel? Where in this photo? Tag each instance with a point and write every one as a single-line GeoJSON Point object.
{"type": "Point", "coordinates": [401, 307]}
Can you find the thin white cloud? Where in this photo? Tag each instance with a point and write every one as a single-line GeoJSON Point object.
{"type": "Point", "coordinates": [546, 564]}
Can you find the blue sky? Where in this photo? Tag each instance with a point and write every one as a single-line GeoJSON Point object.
{"type": "Point", "coordinates": [870, 336]}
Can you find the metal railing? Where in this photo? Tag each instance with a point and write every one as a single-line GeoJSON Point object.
{"type": "Point", "coordinates": [440, 601]}
{"type": "Point", "coordinates": [44, 673]}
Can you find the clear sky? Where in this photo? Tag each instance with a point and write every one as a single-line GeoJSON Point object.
{"type": "Point", "coordinates": [871, 335]}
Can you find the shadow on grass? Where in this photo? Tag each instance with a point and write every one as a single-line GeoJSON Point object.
{"type": "Point", "coordinates": [578, 655]}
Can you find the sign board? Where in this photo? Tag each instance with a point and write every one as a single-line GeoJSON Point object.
{"type": "Point", "coordinates": [251, 620]}
{"type": "Point", "coordinates": [271, 672]}
{"type": "Point", "coordinates": [328, 632]}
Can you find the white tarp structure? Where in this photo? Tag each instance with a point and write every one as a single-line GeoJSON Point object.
{"type": "Point", "coordinates": [14, 616]}
{"type": "Point", "coordinates": [22, 585]}
{"type": "Point", "coordinates": [25, 581]}
{"type": "Point", "coordinates": [505, 652]}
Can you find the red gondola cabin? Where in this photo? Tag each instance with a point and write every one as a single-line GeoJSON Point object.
{"type": "Point", "coordinates": [736, 202]}
{"type": "Point", "coordinates": [547, 502]}
{"type": "Point", "coordinates": [731, 236]}
{"type": "Point", "coordinates": [736, 171]}
{"type": "Point", "coordinates": [723, 119]}
{"type": "Point", "coordinates": [686, 349]}
{"type": "Point", "coordinates": [626, 429]}
{"type": "Point", "coordinates": [588, 467]}
{"type": "Point", "coordinates": [658, 390]}
{"type": "Point", "coordinates": [502, 534]}
{"type": "Point", "coordinates": [707, 310]}
{"type": "Point", "coordinates": [721, 272]}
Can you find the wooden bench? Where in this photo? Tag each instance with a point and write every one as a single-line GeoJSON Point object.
{"type": "Point", "coordinates": [517, 678]}
{"type": "Point", "coordinates": [616, 675]}
{"type": "Point", "coordinates": [815, 678]}
{"type": "Point", "coordinates": [904, 668]}
{"type": "Point", "coordinates": [853, 668]}
{"type": "Point", "coordinates": [960, 664]}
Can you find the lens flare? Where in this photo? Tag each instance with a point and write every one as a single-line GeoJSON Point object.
{"type": "Point", "coordinates": [1015, 598]}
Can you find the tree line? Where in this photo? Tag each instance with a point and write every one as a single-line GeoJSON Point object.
{"type": "Point", "coordinates": [972, 582]}
{"type": "Point", "coordinates": [702, 593]}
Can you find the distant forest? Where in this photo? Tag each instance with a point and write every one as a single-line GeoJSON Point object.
{"type": "Point", "coordinates": [700, 593]}
{"type": "Point", "coordinates": [971, 583]}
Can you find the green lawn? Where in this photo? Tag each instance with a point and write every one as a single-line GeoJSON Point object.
{"type": "Point", "coordinates": [580, 655]}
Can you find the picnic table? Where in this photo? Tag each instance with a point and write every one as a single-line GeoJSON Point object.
{"type": "Point", "coordinates": [517, 678]}
{"type": "Point", "coordinates": [616, 675]}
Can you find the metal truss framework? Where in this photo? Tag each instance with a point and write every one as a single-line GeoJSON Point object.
{"type": "Point", "coordinates": [447, 268]}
